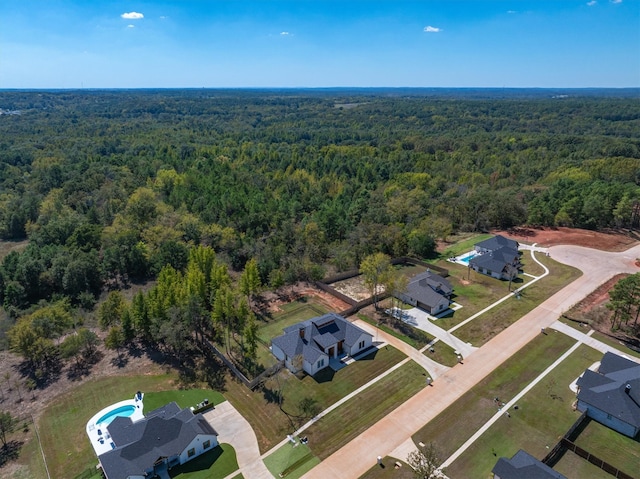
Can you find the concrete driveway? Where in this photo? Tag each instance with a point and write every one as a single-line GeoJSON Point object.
{"type": "Point", "coordinates": [234, 429]}
{"type": "Point", "coordinates": [356, 457]}
{"type": "Point", "coordinates": [420, 319]}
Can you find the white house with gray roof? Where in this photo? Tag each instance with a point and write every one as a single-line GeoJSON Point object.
{"type": "Point", "coordinates": [166, 437]}
{"type": "Point", "coordinates": [428, 291]}
{"type": "Point", "coordinates": [310, 345]}
{"type": "Point", "coordinates": [611, 395]}
{"type": "Point", "coordinates": [497, 257]}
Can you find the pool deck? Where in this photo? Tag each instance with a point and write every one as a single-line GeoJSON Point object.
{"type": "Point", "coordinates": [464, 259]}
{"type": "Point", "coordinates": [99, 435]}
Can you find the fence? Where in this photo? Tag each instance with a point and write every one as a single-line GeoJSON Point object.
{"type": "Point", "coordinates": [566, 444]}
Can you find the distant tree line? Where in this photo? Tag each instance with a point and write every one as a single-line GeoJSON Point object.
{"type": "Point", "coordinates": [114, 187]}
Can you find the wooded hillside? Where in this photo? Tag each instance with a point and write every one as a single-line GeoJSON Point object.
{"type": "Point", "coordinates": [111, 186]}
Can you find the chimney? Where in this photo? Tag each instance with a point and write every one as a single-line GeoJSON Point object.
{"type": "Point", "coordinates": [627, 389]}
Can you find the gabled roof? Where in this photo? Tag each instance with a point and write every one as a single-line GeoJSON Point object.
{"type": "Point", "coordinates": [422, 287]}
{"type": "Point", "coordinates": [614, 389]}
{"type": "Point", "coordinates": [312, 337]}
{"type": "Point", "coordinates": [164, 432]}
{"type": "Point", "coordinates": [496, 242]}
{"type": "Point", "coordinates": [524, 466]}
{"type": "Point", "coordinates": [488, 261]}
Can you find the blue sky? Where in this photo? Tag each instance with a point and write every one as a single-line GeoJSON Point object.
{"type": "Point", "coordinates": [319, 43]}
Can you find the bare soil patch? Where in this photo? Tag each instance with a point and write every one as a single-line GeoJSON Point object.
{"type": "Point", "coordinates": [20, 402]}
{"type": "Point", "coordinates": [603, 240]}
{"type": "Point", "coordinates": [273, 301]}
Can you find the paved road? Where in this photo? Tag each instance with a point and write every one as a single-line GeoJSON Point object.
{"type": "Point", "coordinates": [356, 457]}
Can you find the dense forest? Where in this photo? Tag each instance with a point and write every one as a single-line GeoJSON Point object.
{"type": "Point", "coordinates": [111, 187]}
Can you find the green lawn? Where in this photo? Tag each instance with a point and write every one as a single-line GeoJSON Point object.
{"type": "Point", "coordinates": [610, 446]}
{"type": "Point", "coordinates": [451, 428]}
{"type": "Point", "coordinates": [543, 415]}
{"type": "Point", "coordinates": [291, 461]}
{"type": "Point", "coordinates": [360, 412]}
{"type": "Point", "coordinates": [184, 398]}
{"type": "Point", "coordinates": [271, 425]}
{"type": "Point", "coordinates": [68, 415]}
{"type": "Point", "coordinates": [574, 467]}
{"type": "Point", "coordinates": [442, 353]}
{"type": "Point", "coordinates": [463, 246]}
{"type": "Point", "coordinates": [499, 318]}
{"type": "Point", "coordinates": [415, 338]}
{"type": "Point", "coordinates": [215, 464]}
{"type": "Point", "coordinates": [389, 471]}
{"type": "Point", "coordinates": [293, 313]}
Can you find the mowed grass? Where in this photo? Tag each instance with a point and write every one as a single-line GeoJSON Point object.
{"type": "Point", "coordinates": [362, 411]}
{"type": "Point", "coordinates": [293, 313]}
{"type": "Point", "coordinates": [485, 327]}
{"type": "Point", "coordinates": [183, 397]}
{"type": "Point", "coordinates": [67, 418]}
{"type": "Point", "coordinates": [544, 414]}
{"type": "Point", "coordinates": [271, 424]}
{"type": "Point", "coordinates": [617, 449]}
{"type": "Point", "coordinates": [215, 464]}
{"type": "Point", "coordinates": [389, 471]}
{"type": "Point", "coordinates": [291, 461]}
{"type": "Point", "coordinates": [451, 428]}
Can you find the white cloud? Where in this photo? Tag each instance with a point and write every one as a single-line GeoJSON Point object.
{"type": "Point", "coordinates": [131, 26]}
{"type": "Point", "coordinates": [284, 34]}
{"type": "Point", "coordinates": [511, 12]}
{"type": "Point", "coordinates": [430, 29]}
{"type": "Point", "coordinates": [132, 15]}
{"type": "Point", "coordinates": [616, 1]}
{"type": "Point", "coordinates": [591, 3]}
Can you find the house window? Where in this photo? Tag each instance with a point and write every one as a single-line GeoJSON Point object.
{"type": "Point", "coordinates": [206, 444]}
{"type": "Point", "coordinates": [609, 416]}
{"type": "Point", "coordinates": [321, 363]}
{"type": "Point", "coordinates": [191, 452]}
{"type": "Point", "coordinates": [361, 345]}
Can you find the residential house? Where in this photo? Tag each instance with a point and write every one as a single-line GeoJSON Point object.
{"type": "Point", "coordinates": [494, 243]}
{"type": "Point", "coordinates": [497, 257]}
{"type": "Point", "coordinates": [428, 291]}
{"type": "Point", "coordinates": [523, 466]}
{"type": "Point", "coordinates": [310, 345]}
{"type": "Point", "coordinates": [611, 395]}
{"type": "Point", "coordinates": [166, 437]}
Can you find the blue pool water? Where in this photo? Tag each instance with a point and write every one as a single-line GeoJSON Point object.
{"type": "Point", "coordinates": [468, 258]}
{"type": "Point", "coordinates": [124, 411]}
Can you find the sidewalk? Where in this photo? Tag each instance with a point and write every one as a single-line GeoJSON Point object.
{"type": "Point", "coordinates": [399, 425]}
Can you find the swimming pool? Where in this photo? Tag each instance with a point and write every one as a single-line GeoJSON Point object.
{"type": "Point", "coordinates": [465, 258]}
{"type": "Point", "coordinates": [125, 411]}
{"type": "Point", "coordinates": [98, 425]}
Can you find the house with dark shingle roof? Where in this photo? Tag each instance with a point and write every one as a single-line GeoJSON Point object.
{"type": "Point", "coordinates": [497, 257]}
{"type": "Point", "coordinates": [428, 291]}
{"type": "Point", "coordinates": [166, 437]}
{"type": "Point", "coordinates": [309, 345]}
{"type": "Point", "coordinates": [611, 395]}
{"type": "Point", "coordinates": [523, 466]}
{"type": "Point", "coordinates": [494, 243]}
